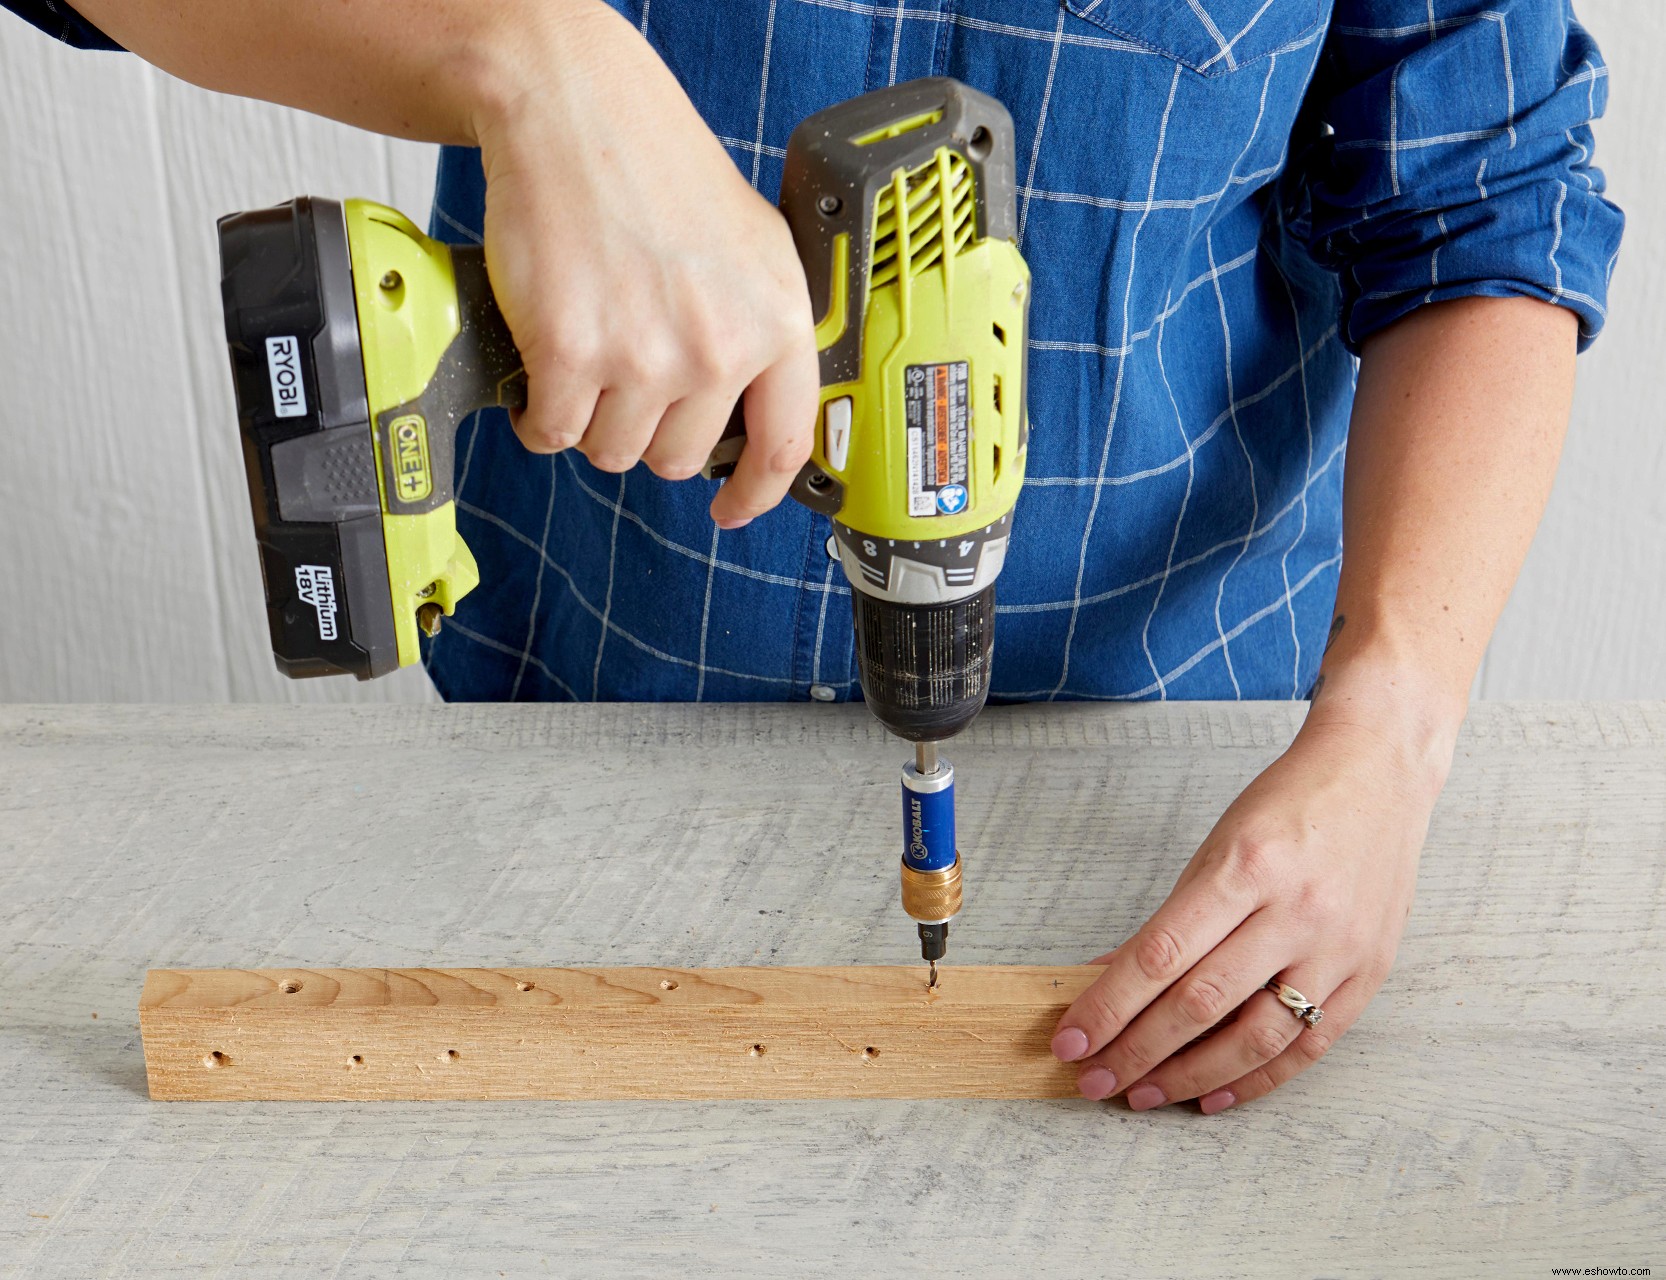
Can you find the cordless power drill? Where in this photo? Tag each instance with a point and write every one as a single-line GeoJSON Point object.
{"type": "Point", "coordinates": [358, 345]}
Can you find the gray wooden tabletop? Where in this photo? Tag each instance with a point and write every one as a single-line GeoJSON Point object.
{"type": "Point", "coordinates": [1497, 1112]}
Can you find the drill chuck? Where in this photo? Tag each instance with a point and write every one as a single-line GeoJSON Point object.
{"type": "Point", "coordinates": [924, 667]}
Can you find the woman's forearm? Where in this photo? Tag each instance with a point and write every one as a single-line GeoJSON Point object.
{"type": "Point", "coordinates": [1457, 427]}
{"type": "Point", "coordinates": [641, 316]}
{"type": "Point", "coordinates": [427, 70]}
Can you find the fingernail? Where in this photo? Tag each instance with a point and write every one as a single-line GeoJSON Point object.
{"type": "Point", "coordinates": [1097, 1083]}
{"type": "Point", "coordinates": [1219, 1100]}
{"type": "Point", "coordinates": [1142, 1097]}
{"type": "Point", "coordinates": [1070, 1044]}
{"type": "Point", "coordinates": [734, 524]}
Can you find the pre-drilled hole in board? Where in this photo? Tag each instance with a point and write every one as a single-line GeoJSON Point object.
{"type": "Point", "coordinates": [523, 986]}
{"type": "Point", "coordinates": [215, 1059]}
{"type": "Point", "coordinates": [289, 986]}
{"type": "Point", "coordinates": [667, 985]}
{"type": "Point", "coordinates": [757, 1051]}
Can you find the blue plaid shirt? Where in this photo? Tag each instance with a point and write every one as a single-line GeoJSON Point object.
{"type": "Point", "coordinates": [1219, 200]}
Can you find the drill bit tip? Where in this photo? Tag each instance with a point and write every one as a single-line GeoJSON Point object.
{"type": "Point", "coordinates": [932, 985]}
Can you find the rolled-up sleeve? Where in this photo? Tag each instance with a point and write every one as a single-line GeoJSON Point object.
{"type": "Point", "coordinates": [60, 21]}
{"type": "Point", "coordinates": [1453, 158]}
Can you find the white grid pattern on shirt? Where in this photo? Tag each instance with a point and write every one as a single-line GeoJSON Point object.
{"type": "Point", "coordinates": [1249, 461]}
{"type": "Point", "coordinates": [1116, 393]}
{"type": "Point", "coordinates": [706, 615]}
{"type": "Point", "coordinates": [896, 43]}
{"type": "Point", "coordinates": [453, 627]}
{"type": "Point", "coordinates": [1242, 32]}
{"type": "Point", "coordinates": [1139, 584]}
{"type": "Point", "coordinates": [607, 603]}
{"type": "Point", "coordinates": [827, 586]}
{"type": "Point", "coordinates": [613, 628]}
{"type": "Point", "coordinates": [1191, 448]}
{"type": "Point", "coordinates": [1224, 49]}
{"type": "Point", "coordinates": [1179, 520]}
{"type": "Point", "coordinates": [537, 592]}
{"type": "Point", "coordinates": [1134, 477]}
{"type": "Point", "coordinates": [821, 626]}
{"type": "Point", "coordinates": [1040, 126]}
{"type": "Point", "coordinates": [1307, 484]}
{"type": "Point", "coordinates": [1181, 668]}
{"type": "Point", "coordinates": [1058, 37]}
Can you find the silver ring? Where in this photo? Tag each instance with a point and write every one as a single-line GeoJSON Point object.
{"type": "Point", "coordinates": [1296, 1002]}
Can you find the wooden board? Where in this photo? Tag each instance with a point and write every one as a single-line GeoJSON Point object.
{"type": "Point", "coordinates": [429, 1034]}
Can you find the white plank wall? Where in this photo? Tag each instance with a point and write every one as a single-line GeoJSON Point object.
{"type": "Point", "coordinates": [1588, 616]}
{"type": "Point", "coordinates": [129, 572]}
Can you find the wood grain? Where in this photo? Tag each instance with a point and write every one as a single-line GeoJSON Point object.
{"type": "Point", "coordinates": [232, 1035]}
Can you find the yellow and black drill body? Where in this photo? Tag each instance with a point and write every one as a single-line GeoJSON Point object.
{"type": "Point", "coordinates": [359, 345]}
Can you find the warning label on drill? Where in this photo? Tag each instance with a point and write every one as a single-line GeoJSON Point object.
{"type": "Point", "coordinates": [938, 438]}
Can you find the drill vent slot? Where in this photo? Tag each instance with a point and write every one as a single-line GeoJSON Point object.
{"type": "Point", "coordinates": [896, 128]}
{"type": "Point", "coordinates": [919, 236]}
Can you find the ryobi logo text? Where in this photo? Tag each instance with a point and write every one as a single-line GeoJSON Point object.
{"type": "Point", "coordinates": [412, 478]}
{"type": "Point", "coordinates": [283, 366]}
{"type": "Point", "coordinates": [316, 585]}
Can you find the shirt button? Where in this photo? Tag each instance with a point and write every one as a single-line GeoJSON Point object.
{"type": "Point", "coordinates": [822, 693]}
{"type": "Point", "coordinates": [832, 548]}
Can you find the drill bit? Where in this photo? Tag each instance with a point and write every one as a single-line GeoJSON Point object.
{"type": "Point", "coordinates": [925, 764]}
{"type": "Point", "coordinates": [930, 864]}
